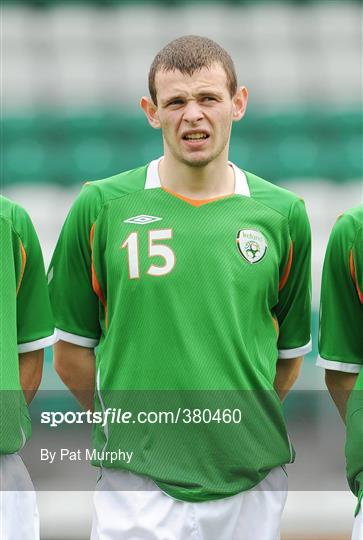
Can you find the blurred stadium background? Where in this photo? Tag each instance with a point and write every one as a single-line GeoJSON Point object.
{"type": "Point", "coordinates": [72, 77]}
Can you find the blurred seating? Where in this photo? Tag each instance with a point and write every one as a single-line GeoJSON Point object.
{"type": "Point", "coordinates": [50, 148]}
{"type": "Point", "coordinates": [69, 54]}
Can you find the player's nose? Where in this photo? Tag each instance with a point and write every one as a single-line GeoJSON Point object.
{"type": "Point", "coordinates": [192, 112]}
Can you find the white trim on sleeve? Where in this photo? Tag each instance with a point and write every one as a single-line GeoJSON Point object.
{"type": "Point", "coordinates": [338, 366]}
{"type": "Point", "coordinates": [38, 344]}
{"type": "Point", "coordinates": [294, 353]}
{"type": "Point", "coordinates": [76, 340]}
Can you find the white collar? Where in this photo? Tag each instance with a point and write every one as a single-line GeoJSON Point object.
{"type": "Point", "coordinates": [240, 184]}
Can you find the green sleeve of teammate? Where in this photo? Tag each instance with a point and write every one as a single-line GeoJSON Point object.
{"type": "Point", "coordinates": [341, 309]}
{"type": "Point", "coordinates": [74, 302]}
{"type": "Point", "coordinates": [293, 310]}
{"type": "Point", "coordinates": [34, 316]}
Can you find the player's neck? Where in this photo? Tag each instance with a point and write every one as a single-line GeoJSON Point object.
{"type": "Point", "coordinates": [214, 180]}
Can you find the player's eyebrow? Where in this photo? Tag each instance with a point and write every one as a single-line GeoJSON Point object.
{"type": "Point", "coordinates": [212, 93]}
{"type": "Point", "coordinates": [198, 95]}
{"type": "Point", "coordinates": [171, 98]}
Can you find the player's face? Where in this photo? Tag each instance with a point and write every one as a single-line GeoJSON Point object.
{"type": "Point", "coordinates": [195, 113]}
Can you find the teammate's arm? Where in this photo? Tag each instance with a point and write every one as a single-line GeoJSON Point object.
{"type": "Point", "coordinates": [340, 344]}
{"type": "Point", "coordinates": [340, 385]}
{"type": "Point", "coordinates": [30, 370]}
{"type": "Point", "coordinates": [287, 372]}
{"type": "Point", "coordinates": [75, 304]}
{"type": "Point", "coordinates": [35, 326]}
{"type": "Point", "coordinates": [76, 366]}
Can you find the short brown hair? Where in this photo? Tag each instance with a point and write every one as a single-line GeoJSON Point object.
{"type": "Point", "coordinates": [189, 54]}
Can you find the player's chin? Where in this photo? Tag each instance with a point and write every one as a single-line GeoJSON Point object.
{"type": "Point", "coordinates": [197, 159]}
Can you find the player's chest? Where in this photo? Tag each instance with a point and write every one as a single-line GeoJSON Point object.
{"type": "Point", "coordinates": [168, 241]}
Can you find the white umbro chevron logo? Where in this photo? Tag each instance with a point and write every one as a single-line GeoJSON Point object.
{"type": "Point", "coordinates": [142, 219]}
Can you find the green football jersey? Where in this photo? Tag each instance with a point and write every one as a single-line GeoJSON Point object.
{"type": "Point", "coordinates": [341, 326]}
{"type": "Point", "coordinates": [191, 305]}
{"type": "Point", "coordinates": [26, 319]}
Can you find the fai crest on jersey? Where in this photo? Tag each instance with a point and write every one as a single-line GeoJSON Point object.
{"type": "Point", "coordinates": [251, 244]}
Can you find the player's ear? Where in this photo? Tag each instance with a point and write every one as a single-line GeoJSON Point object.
{"type": "Point", "coordinates": [151, 111]}
{"type": "Point", "coordinates": [240, 103]}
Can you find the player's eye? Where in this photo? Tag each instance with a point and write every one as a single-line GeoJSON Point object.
{"type": "Point", "coordinates": [209, 98]}
{"type": "Point", "coordinates": [175, 102]}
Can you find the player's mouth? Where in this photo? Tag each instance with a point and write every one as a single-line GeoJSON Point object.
{"type": "Point", "coordinates": [195, 138]}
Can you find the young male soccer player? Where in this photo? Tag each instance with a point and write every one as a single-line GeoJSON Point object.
{"type": "Point", "coordinates": [341, 344]}
{"type": "Point", "coordinates": [26, 328]}
{"type": "Point", "coordinates": [193, 278]}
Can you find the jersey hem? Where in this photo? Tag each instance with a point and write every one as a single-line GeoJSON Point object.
{"type": "Point", "coordinates": [182, 495]}
{"type": "Point", "coordinates": [338, 366]}
{"type": "Point", "coordinates": [90, 343]}
{"type": "Point", "coordinates": [38, 344]}
{"type": "Point", "coordinates": [294, 353]}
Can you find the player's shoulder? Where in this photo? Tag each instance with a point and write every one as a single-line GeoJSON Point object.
{"type": "Point", "coordinates": [96, 193]}
{"type": "Point", "coordinates": [348, 225]}
{"type": "Point", "coordinates": [118, 185]}
{"type": "Point", "coordinates": [9, 208]}
{"type": "Point", "coordinates": [272, 196]}
{"type": "Point", "coordinates": [13, 214]}
{"type": "Point", "coordinates": [352, 218]}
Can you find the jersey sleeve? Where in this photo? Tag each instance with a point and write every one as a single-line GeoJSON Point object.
{"type": "Point", "coordinates": [74, 301]}
{"type": "Point", "coordinates": [293, 310]}
{"type": "Point", "coordinates": [35, 326]}
{"type": "Point", "coordinates": [341, 305]}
